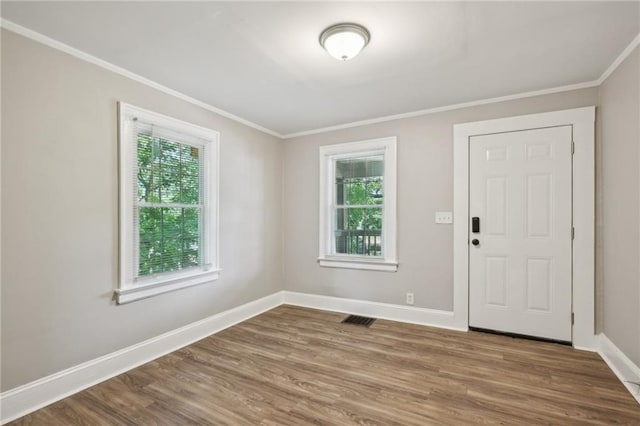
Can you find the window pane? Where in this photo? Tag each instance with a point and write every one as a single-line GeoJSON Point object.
{"type": "Point", "coordinates": [148, 170]}
{"type": "Point", "coordinates": [190, 252]}
{"type": "Point", "coordinates": [169, 239]}
{"type": "Point", "coordinates": [150, 241]}
{"type": "Point", "coordinates": [170, 184]}
{"type": "Point", "coordinates": [359, 181]}
{"type": "Point", "coordinates": [169, 153]}
{"type": "Point", "coordinates": [190, 162]}
{"type": "Point", "coordinates": [190, 190]}
{"type": "Point", "coordinates": [168, 171]}
{"type": "Point", "coordinates": [358, 231]}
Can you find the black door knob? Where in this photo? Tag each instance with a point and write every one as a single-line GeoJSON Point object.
{"type": "Point", "coordinates": [475, 241]}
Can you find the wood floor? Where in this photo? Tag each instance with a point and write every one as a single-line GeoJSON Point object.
{"type": "Point", "coordinates": [296, 366]}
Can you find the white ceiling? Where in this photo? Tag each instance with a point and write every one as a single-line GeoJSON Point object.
{"type": "Point", "coordinates": [262, 61]}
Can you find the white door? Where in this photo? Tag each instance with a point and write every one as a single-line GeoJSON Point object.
{"type": "Point", "coordinates": [520, 258]}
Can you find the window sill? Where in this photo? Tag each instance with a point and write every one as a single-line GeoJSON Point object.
{"type": "Point", "coordinates": [131, 294]}
{"type": "Point", "coordinates": [358, 263]}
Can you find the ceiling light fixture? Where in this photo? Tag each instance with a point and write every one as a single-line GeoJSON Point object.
{"type": "Point", "coordinates": [344, 41]}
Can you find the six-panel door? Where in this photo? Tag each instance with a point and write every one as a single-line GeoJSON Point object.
{"type": "Point", "coordinates": [520, 269]}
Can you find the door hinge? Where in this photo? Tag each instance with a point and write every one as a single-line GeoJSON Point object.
{"type": "Point", "coordinates": [573, 318]}
{"type": "Point", "coordinates": [573, 147]}
{"type": "Point", "coordinates": [573, 234]}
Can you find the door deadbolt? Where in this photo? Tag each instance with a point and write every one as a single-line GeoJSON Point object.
{"type": "Point", "coordinates": [475, 225]}
{"type": "Point", "coordinates": [475, 241]}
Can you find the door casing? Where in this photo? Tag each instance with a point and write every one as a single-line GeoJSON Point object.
{"type": "Point", "coordinates": [582, 121]}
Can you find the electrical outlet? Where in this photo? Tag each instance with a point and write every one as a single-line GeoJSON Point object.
{"type": "Point", "coordinates": [409, 298]}
{"type": "Point", "coordinates": [444, 217]}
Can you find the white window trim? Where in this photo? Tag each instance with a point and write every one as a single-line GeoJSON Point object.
{"type": "Point", "coordinates": [328, 154]}
{"type": "Point", "coordinates": [583, 215]}
{"type": "Point", "coordinates": [128, 290]}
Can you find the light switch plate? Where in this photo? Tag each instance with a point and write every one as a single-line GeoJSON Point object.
{"type": "Point", "coordinates": [444, 217]}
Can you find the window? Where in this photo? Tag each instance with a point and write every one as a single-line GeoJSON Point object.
{"type": "Point", "coordinates": [168, 204]}
{"type": "Point", "coordinates": [358, 205]}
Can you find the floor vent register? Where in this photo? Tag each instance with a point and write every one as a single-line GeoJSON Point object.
{"type": "Point", "coordinates": [358, 320]}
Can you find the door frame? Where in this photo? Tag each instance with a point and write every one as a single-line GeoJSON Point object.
{"type": "Point", "coordinates": [582, 121]}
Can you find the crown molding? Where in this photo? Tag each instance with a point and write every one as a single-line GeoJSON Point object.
{"type": "Point", "coordinates": [55, 44]}
{"type": "Point", "coordinates": [620, 59]}
{"type": "Point", "coordinates": [445, 108]}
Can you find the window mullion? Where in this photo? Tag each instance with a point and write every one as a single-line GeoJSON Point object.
{"type": "Point", "coordinates": [358, 206]}
{"type": "Point", "coordinates": [171, 205]}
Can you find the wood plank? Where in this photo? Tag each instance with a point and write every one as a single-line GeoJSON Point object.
{"type": "Point", "coordinates": [295, 366]}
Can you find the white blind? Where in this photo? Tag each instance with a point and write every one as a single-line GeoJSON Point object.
{"type": "Point", "coordinates": [360, 167]}
{"type": "Point", "coordinates": [169, 199]}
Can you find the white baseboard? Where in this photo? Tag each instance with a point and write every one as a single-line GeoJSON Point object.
{"type": "Point", "coordinates": [410, 314]}
{"type": "Point", "coordinates": [620, 364]}
{"type": "Point", "coordinates": [24, 399]}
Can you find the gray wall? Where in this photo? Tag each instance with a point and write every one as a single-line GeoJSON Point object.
{"type": "Point", "coordinates": [620, 208]}
{"type": "Point", "coordinates": [60, 214]}
{"type": "Point", "coordinates": [425, 185]}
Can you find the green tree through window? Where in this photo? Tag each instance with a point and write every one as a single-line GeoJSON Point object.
{"type": "Point", "coordinates": [359, 205]}
{"type": "Point", "coordinates": [169, 205]}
